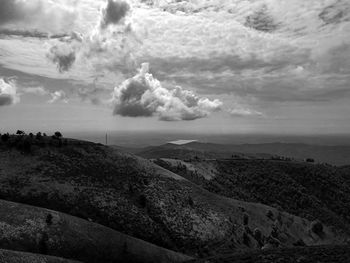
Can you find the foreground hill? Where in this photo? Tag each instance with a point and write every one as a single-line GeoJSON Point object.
{"type": "Point", "coordinates": [311, 191]}
{"type": "Point", "coordinates": [136, 197]}
{"type": "Point", "coordinates": [336, 155]}
{"type": "Point", "coordinates": [9, 256]}
{"type": "Point", "coordinates": [39, 230]}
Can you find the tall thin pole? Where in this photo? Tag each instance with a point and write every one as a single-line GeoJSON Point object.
{"type": "Point", "coordinates": [106, 139]}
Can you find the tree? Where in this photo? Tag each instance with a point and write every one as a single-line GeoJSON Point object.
{"type": "Point", "coordinates": [58, 134]}
{"type": "Point", "coordinates": [38, 136]}
{"type": "Point", "coordinates": [19, 132]}
{"type": "Point", "coordinates": [5, 137]}
{"type": "Point", "coordinates": [31, 135]}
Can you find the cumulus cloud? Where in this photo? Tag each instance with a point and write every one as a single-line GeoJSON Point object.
{"type": "Point", "coordinates": [42, 15]}
{"type": "Point", "coordinates": [8, 92]}
{"type": "Point", "coordinates": [63, 56]}
{"type": "Point", "coordinates": [114, 12]}
{"type": "Point", "coordinates": [57, 96]}
{"type": "Point", "coordinates": [143, 95]}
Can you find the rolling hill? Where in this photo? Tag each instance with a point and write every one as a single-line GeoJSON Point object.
{"type": "Point", "coordinates": [312, 191]}
{"type": "Point", "coordinates": [335, 155]}
{"type": "Point", "coordinates": [139, 198]}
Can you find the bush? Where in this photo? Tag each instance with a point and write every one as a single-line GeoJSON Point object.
{"type": "Point", "coordinates": [5, 137]}
{"type": "Point", "coordinates": [58, 134]}
{"type": "Point", "coordinates": [38, 136]}
{"type": "Point", "coordinates": [317, 227]}
{"type": "Point", "coordinates": [19, 132]}
{"type": "Point", "coordinates": [269, 214]}
{"type": "Point", "coordinates": [245, 219]}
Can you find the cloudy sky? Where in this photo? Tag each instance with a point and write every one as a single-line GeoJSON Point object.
{"type": "Point", "coordinates": [263, 66]}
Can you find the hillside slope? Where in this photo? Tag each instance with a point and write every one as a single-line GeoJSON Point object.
{"type": "Point", "coordinates": [308, 190]}
{"type": "Point", "coordinates": [39, 230]}
{"type": "Point", "coordinates": [322, 254]}
{"type": "Point", "coordinates": [9, 256]}
{"type": "Point", "coordinates": [136, 197]}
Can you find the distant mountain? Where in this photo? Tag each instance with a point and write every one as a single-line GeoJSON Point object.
{"type": "Point", "coordinates": [336, 155]}
{"type": "Point", "coordinates": [138, 198]}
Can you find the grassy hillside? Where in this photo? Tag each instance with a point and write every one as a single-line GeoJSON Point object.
{"type": "Point", "coordinates": [136, 197]}
{"type": "Point", "coordinates": [43, 231]}
{"type": "Point", "coordinates": [308, 190]}
{"type": "Point", "coordinates": [9, 256]}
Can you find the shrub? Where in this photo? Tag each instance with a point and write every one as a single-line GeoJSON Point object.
{"type": "Point", "coordinates": [246, 239]}
{"type": "Point", "coordinates": [5, 137]}
{"type": "Point", "coordinates": [19, 132]}
{"type": "Point", "coordinates": [38, 136]}
{"type": "Point", "coordinates": [269, 214]}
{"type": "Point", "coordinates": [49, 219]}
{"type": "Point", "coordinates": [317, 227]}
{"type": "Point", "coordinates": [142, 201]}
{"type": "Point", "coordinates": [58, 134]}
{"type": "Point", "coordinates": [245, 219]}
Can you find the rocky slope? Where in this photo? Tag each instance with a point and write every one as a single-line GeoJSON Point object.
{"type": "Point", "coordinates": [136, 197]}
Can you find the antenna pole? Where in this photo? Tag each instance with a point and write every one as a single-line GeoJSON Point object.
{"type": "Point", "coordinates": [106, 139]}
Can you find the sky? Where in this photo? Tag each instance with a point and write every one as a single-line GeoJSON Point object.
{"type": "Point", "coordinates": [206, 66]}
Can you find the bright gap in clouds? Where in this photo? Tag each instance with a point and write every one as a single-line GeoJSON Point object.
{"type": "Point", "coordinates": [252, 64]}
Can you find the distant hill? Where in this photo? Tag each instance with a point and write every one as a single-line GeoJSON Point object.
{"type": "Point", "coordinates": [136, 197]}
{"type": "Point", "coordinates": [336, 155]}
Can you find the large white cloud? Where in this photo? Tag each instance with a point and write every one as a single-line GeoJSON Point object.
{"type": "Point", "coordinates": [8, 92]}
{"type": "Point", "coordinates": [143, 95]}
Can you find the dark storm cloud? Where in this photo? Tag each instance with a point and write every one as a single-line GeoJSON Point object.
{"type": "Point", "coordinates": [114, 12]}
{"type": "Point", "coordinates": [261, 20]}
